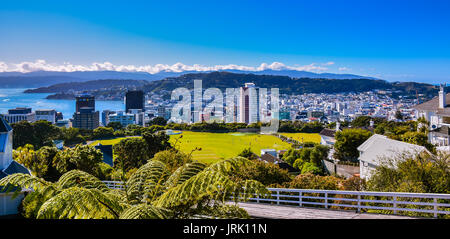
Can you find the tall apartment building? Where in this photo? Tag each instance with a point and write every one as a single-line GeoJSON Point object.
{"type": "Point", "coordinates": [85, 117]}
{"type": "Point", "coordinates": [19, 114]}
{"type": "Point", "coordinates": [48, 115]}
{"type": "Point", "coordinates": [134, 100]}
{"type": "Point", "coordinates": [249, 104]}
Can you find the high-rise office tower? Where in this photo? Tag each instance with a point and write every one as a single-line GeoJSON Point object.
{"type": "Point", "coordinates": [85, 116]}
{"type": "Point", "coordinates": [134, 99]}
{"type": "Point", "coordinates": [85, 101]}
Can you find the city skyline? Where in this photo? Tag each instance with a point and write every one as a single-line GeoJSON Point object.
{"type": "Point", "coordinates": [395, 41]}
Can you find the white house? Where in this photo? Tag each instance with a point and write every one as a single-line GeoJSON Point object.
{"type": "Point", "coordinates": [437, 112]}
{"type": "Point", "coordinates": [8, 166]}
{"type": "Point", "coordinates": [378, 147]}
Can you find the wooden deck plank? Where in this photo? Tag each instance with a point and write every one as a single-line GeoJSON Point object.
{"type": "Point", "coordinates": [259, 210]}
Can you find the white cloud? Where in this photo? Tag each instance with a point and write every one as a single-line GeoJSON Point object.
{"type": "Point", "coordinates": [3, 66]}
{"type": "Point", "coordinates": [42, 65]}
{"type": "Point", "coordinates": [343, 69]}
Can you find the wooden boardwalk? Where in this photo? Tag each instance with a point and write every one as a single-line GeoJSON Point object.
{"type": "Point", "coordinates": [271, 211]}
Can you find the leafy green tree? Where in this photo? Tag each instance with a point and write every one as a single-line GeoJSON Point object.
{"type": "Point", "coordinates": [266, 173]}
{"type": "Point", "coordinates": [291, 155]}
{"type": "Point", "coordinates": [115, 125]}
{"type": "Point", "coordinates": [247, 153]}
{"type": "Point", "coordinates": [38, 162]}
{"type": "Point", "coordinates": [347, 142]}
{"type": "Point", "coordinates": [130, 153]}
{"type": "Point", "coordinates": [419, 173]}
{"type": "Point", "coordinates": [39, 134]}
{"type": "Point", "coordinates": [398, 115]}
{"type": "Point", "coordinates": [134, 129]}
{"type": "Point", "coordinates": [310, 181]}
{"type": "Point", "coordinates": [72, 136]}
{"type": "Point", "coordinates": [173, 158]}
{"type": "Point", "coordinates": [418, 138]}
{"type": "Point", "coordinates": [103, 133]}
{"type": "Point", "coordinates": [83, 157]}
{"type": "Point", "coordinates": [158, 121]}
{"type": "Point", "coordinates": [318, 153]}
{"type": "Point", "coordinates": [156, 142]}
{"type": "Point", "coordinates": [151, 192]}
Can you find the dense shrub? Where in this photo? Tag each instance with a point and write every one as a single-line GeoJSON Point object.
{"type": "Point", "coordinates": [310, 181]}
{"type": "Point", "coordinates": [266, 173]}
{"type": "Point", "coordinates": [421, 173]}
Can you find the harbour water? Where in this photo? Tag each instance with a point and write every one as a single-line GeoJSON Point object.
{"type": "Point", "coordinates": [14, 97]}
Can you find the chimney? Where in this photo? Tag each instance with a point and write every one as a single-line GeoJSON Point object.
{"type": "Point", "coordinates": [338, 126]}
{"type": "Point", "coordinates": [442, 102]}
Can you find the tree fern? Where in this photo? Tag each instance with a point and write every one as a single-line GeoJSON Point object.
{"type": "Point", "coordinates": [229, 165]}
{"type": "Point", "coordinates": [147, 182]}
{"type": "Point", "coordinates": [81, 203]}
{"type": "Point", "coordinates": [11, 183]}
{"type": "Point", "coordinates": [80, 179]}
{"type": "Point", "coordinates": [184, 173]}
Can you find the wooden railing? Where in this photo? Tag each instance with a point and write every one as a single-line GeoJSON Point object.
{"type": "Point", "coordinates": [380, 202]}
{"type": "Point", "coordinates": [361, 201]}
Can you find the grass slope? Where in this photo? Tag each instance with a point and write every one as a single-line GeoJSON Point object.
{"type": "Point", "coordinates": [218, 146]}
{"type": "Point", "coordinates": [303, 137]}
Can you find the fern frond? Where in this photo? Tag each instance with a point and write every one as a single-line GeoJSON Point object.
{"type": "Point", "coordinates": [11, 183]}
{"type": "Point", "coordinates": [147, 182]}
{"type": "Point", "coordinates": [229, 165]}
{"type": "Point", "coordinates": [145, 211]}
{"type": "Point", "coordinates": [78, 178]}
{"type": "Point", "coordinates": [208, 183]}
{"type": "Point", "coordinates": [81, 203]}
{"type": "Point", "coordinates": [211, 184]}
{"type": "Point", "coordinates": [184, 173]}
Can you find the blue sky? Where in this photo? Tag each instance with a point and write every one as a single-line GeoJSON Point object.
{"type": "Point", "coordinates": [393, 40]}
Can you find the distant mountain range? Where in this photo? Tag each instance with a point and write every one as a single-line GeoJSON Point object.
{"type": "Point", "coordinates": [111, 88]}
{"type": "Point", "coordinates": [47, 78]}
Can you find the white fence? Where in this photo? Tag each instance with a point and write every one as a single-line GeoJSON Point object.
{"type": "Point", "coordinates": [114, 184]}
{"type": "Point", "coordinates": [360, 201]}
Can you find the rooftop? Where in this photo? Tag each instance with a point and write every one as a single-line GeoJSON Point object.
{"type": "Point", "coordinates": [433, 105]}
{"type": "Point", "coordinates": [4, 126]}
{"type": "Point", "coordinates": [379, 146]}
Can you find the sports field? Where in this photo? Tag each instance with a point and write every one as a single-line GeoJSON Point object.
{"type": "Point", "coordinates": [303, 137]}
{"type": "Point", "coordinates": [217, 146]}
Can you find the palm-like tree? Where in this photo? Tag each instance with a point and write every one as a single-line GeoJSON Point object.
{"type": "Point", "coordinates": [193, 190]}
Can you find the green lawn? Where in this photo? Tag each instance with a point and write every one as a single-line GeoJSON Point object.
{"type": "Point", "coordinates": [107, 141]}
{"type": "Point", "coordinates": [218, 146]}
{"type": "Point", "coordinates": [303, 137]}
